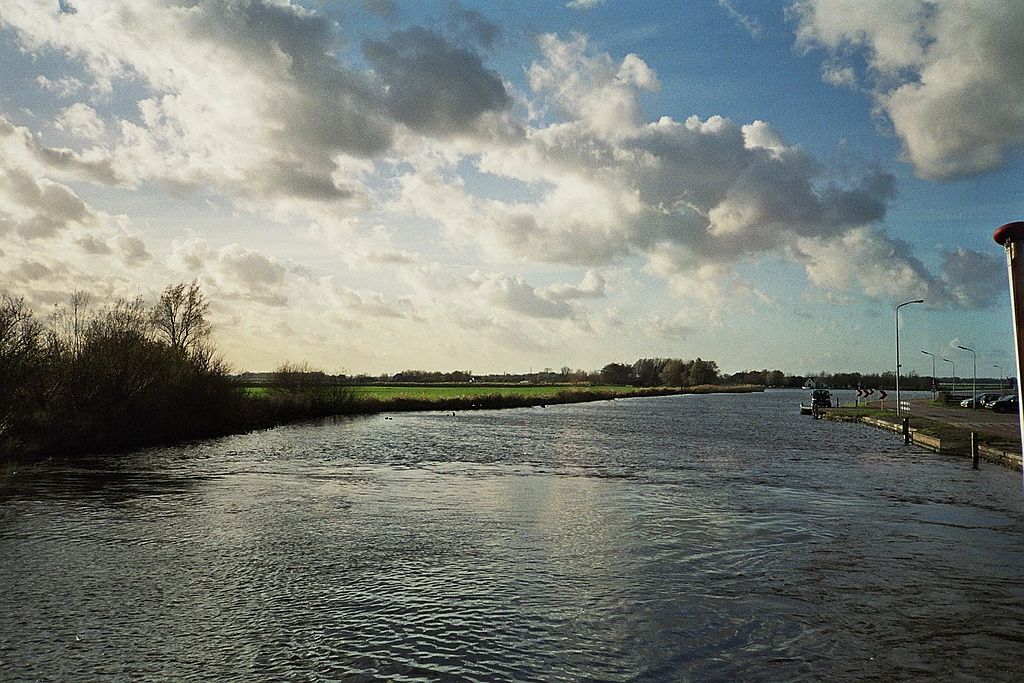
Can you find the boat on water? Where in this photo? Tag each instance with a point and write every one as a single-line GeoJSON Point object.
{"type": "Point", "coordinates": [820, 398]}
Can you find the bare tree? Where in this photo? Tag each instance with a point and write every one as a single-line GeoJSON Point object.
{"type": "Point", "coordinates": [180, 317]}
{"type": "Point", "coordinates": [20, 359]}
{"type": "Point", "coordinates": [69, 324]}
{"type": "Point", "coordinates": [297, 377]}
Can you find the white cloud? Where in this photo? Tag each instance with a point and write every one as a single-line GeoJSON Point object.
{"type": "Point", "coordinates": [81, 120]}
{"type": "Point", "coordinates": [375, 173]}
{"type": "Point", "coordinates": [591, 287]}
{"type": "Point", "coordinates": [865, 260]}
{"type": "Point", "coordinates": [975, 280]}
{"type": "Point", "coordinates": [840, 75]}
{"type": "Point", "coordinates": [249, 98]}
{"type": "Point", "coordinates": [591, 87]}
{"type": "Point", "coordinates": [63, 87]}
{"type": "Point", "coordinates": [747, 23]}
{"type": "Point", "coordinates": [945, 72]}
{"type": "Point", "coordinates": [514, 294]}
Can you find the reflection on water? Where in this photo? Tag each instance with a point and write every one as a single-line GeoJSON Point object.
{"type": "Point", "coordinates": [681, 538]}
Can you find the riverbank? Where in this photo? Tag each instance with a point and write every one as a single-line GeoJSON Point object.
{"type": "Point", "coordinates": [399, 398]}
{"type": "Point", "coordinates": [271, 407]}
{"type": "Point", "coordinates": [936, 435]}
{"type": "Point", "coordinates": [253, 409]}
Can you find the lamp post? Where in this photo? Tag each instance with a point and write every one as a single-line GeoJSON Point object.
{"type": "Point", "coordinates": [929, 353]}
{"type": "Point", "coordinates": [954, 375]}
{"type": "Point", "coordinates": [974, 399]}
{"type": "Point", "coordinates": [905, 303]}
{"type": "Point", "coordinates": [1000, 375]}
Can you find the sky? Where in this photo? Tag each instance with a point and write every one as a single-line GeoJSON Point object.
{"type": "Point", "coordinates": [377, 185]}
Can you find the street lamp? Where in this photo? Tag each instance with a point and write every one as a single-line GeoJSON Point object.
{"type": "Point", "coordinates": [933, 371]}
{"type": "Point", "coordinates": [974, 400]}
{"type": "Point", "coordinates": [1000, 375]}
{"type": "Point", "coordinates": [905, 303]}
{"type": "Point", "coordinates": [954, 375]}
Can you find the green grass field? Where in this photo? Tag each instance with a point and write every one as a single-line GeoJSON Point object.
{"type": "Point", "coordinates": [437, 392]}
{"type": "Point", "coordinates": [440, 392]}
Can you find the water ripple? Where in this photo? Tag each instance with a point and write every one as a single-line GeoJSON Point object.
{"type": "Point", "coordinates": [686, 538]}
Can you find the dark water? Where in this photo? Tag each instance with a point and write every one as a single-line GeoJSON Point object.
{"type": "Point", "coordinates": [682, 538]}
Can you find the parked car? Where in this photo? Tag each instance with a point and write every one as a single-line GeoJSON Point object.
{"type": "Point", "coordinates": [988, 403]}
{"type": "Point", "coordinates": [982, 399]}
{"type": "Point", "coordinates": [1007, 404]}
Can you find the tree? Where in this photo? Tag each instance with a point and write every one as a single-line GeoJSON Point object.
{"type": "Point", "coordinates": [703, 372]}
{"type": "Point", "coordinates": [617, 373]}
{"type": "Point", "coordinates": [21, 361]}
{"type": "Point", "coordinates": [673, 373]}
{"type": "Point", "coordinates": [647, 371]}
{"type": "Point", "coordinates": [180, 317]}
{"type": "Point", "coordinates": [299, 377]}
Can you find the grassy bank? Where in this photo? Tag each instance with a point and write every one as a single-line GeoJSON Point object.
{"type": "Point", "coordinates": [936, 429]}
{"type": "Point", "coordinates": [361, 400]}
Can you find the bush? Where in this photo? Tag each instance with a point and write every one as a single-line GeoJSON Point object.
{"type": "Point", "coordinates": [108, 380]}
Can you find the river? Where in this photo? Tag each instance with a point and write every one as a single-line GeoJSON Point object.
{"type": "Point", "coordinates": [718, 537]}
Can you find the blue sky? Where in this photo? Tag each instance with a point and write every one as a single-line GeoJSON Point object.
{"type": "Point", "coordinates": [374, 186]}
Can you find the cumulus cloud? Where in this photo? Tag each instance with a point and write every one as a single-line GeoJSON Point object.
{"type": "Point", "coordinates": [37, 207]}
{"type": "Point", "coordinates": [514, 294]}
{"type": "Point", "coordinates": [20, 149]}
{"type": "Point", "coordinates": [591, 87]}
{"type": "Point", "coordinates": [974, 279]}
{"type": "Point", "coordinates": [432, 85]}
{"type": "Point", "coordinates": [884, 268]}
{"type": "Point", "coordinates": [64, 87]}
{"type": "Point", "coordinates": [132, 249]}
{"type": "Point", "coordinates": [369, 304]}
{"type": "Point", "coordinates": [261, 103]}
{"type": "Point", "coordinates": [879, 266]}
{"type": "Point", "coordinates": [591, 287]}
{"type": "Point", "coordinates": [235, 271]}
{"type": "Point", "coordinates": [945, 72]}
{"type": "Point", "coordinates": [93, 245]}
{"type": "Point", "coordinates": [249, 97]}
{"type": "Point", "coordinates": [693, 198]}
{"type": "Point", "coordinates": [473, 26]}
{"type": "Point", "coordinates": [711, 191]}
{"type": "Point", "coordinates": [81, 120]}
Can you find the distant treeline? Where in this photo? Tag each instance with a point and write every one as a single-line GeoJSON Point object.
{"type": "Point", "coordinates": [645, 372]}
{"type": "Point", "coordinates": [856, 380]}
{"type": "Point", "coordinates": [115, 377]}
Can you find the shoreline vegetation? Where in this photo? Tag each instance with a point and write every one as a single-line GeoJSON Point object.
{"type": "Point", "coordinates": [390, 399]}
{"type": "Point", "coordinates": [113, 378]}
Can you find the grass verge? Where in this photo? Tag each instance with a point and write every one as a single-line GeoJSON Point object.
{"type": "Point", "coordinates": [929, 427]}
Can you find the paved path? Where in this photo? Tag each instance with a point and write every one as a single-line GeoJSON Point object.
{"type": "Point", "coordinates": [1005, 425]}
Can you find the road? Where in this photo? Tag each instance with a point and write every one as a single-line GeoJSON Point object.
{"type": "Point", "coordinates": [1005, 425]}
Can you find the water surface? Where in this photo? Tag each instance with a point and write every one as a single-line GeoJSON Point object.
{"type": "Point", "coordinates": [719, 537]}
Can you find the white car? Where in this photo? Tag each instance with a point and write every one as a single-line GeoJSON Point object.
{"type": "Point", "coordinates": [983, 400]}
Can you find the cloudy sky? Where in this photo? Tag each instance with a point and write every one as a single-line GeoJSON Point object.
{"type": "Point", "coordinates": [375, 185]}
